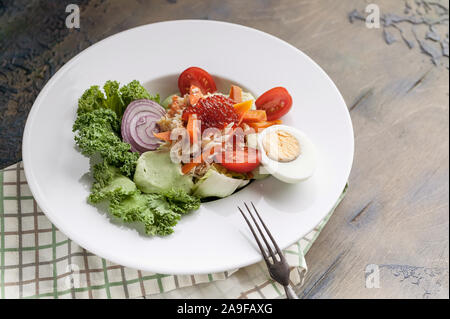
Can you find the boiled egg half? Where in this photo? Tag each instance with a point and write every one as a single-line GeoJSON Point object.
{"type": "Point", "coordinates": [287, 153]}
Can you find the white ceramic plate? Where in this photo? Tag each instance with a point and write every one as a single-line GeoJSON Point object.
{"type": "Point", "coordinates": [214, 238]}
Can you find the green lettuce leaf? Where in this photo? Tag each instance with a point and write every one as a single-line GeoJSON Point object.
{"type": "Point", "coordinates": [110, 184]}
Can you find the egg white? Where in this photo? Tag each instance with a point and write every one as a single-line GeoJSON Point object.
{"type": "Point", "coordinates": [295, 171]}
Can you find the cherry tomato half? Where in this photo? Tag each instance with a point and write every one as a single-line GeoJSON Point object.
{"type": "Point", "coordinates": [241, 160]}
{"type": "Point", "coordinates": [198, 77]}
{"type": "Point", "coordinates": [276, 102]}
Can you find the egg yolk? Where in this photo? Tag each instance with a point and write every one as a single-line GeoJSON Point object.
{"type": "Point", "coordinates": [281, 146]}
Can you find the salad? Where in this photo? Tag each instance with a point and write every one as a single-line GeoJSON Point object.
{"type": "Point", "coordinates": [153, 161]}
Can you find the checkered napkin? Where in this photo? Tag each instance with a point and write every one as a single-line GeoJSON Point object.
{"type": "Point", "coordinates": [38, 261]}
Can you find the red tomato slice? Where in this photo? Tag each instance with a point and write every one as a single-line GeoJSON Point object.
{"type": "Point", "coordinates": [276, 102]}
{"type": "Point", "coordinates": [198, 77]}
{"type": "Point", "coordinates": [241, 160]}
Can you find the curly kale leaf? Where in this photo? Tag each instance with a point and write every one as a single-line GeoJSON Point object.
{"type": "Point", "coordinates": [113, 98]}
{"type": "Point", "coordinates": [181, 202]}
{"type": "Point", "coordinates": [135, 91]}
{"type": "Point", "coordinates": [101, 117]}
{"type": "Point", "coordinates": [149, 209]}
{"type": "Point", "coordinates": [92, 99]}
{"type": "Point", "coordinates": [97, 132]}
{"type": "Point", "coordinates": [159, 213]}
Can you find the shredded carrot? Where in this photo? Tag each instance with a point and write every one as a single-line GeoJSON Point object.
{"type": "Point", "coordinates": [254, 116]}
{"type": "Point", "coordinates": [186, 168]}
{"type": "Point", "coordinates": [259, 126]}
{"type": "Point", "coordinates": [236, 94]}
{"type": "Point", "coordinates": [243, 107]}
{"type": "Point", "coordinates": [165, 136]}
{"type": "Point", "coordinates": [193, 128]}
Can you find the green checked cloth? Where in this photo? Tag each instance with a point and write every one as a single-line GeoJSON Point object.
{"type": "Point", "coordinates": [38, 261]}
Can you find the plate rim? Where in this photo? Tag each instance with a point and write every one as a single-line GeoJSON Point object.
{"type": "Point", "coordinates": [34, 186]}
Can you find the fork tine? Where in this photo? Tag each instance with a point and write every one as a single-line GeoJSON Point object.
{"type": "Point", "coordinates": [268, 233]}
{"type": "Point", "coordinates": [254, 235]}
{"type": "Point", "coordinates": [262, 234]}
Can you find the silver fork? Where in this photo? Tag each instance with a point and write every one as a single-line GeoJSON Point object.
{"type": "Point", "coordinates": [278, 269]}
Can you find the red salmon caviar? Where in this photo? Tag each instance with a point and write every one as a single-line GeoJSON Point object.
{"type": "Point", "coordinates": [213, 111]}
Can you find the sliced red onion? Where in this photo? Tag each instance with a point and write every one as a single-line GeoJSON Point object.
{"type": "Point", "coordinates": [139, 124]}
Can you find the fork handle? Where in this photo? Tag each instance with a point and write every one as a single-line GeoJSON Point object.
{"type": "Point", "coordinates": [290, 293]}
